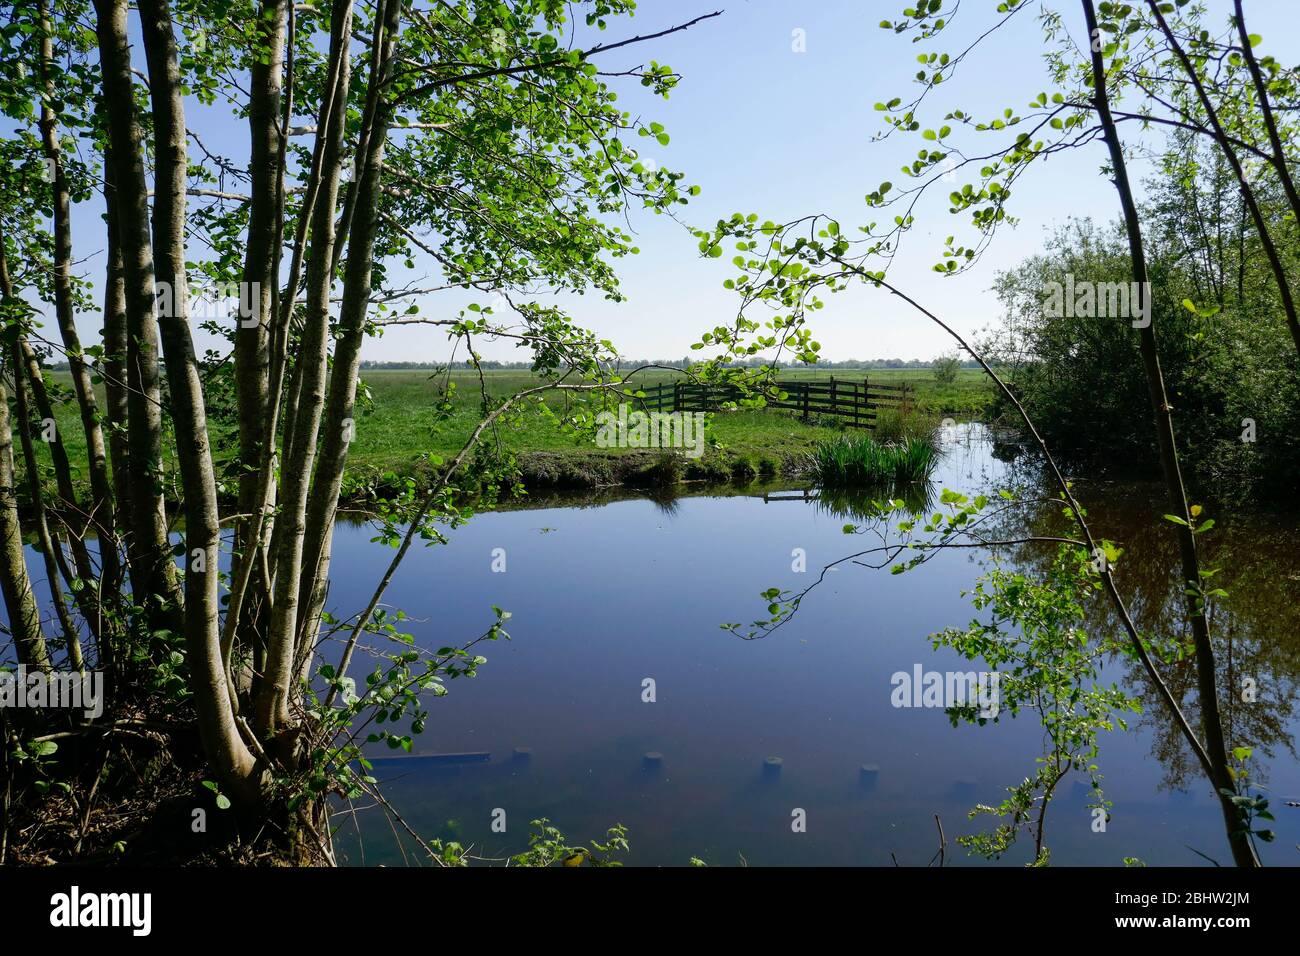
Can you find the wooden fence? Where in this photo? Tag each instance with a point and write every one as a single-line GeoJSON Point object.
{"type": "Point", "coordinates": [851, 399]}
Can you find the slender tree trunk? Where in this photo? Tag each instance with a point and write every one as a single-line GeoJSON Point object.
{"type": "Point", "coordinates": [253, 335]}
{"type": "Point", "coordinates": [115, 350]}
{"type": "Point", "coordinates": [271, 707]}
{"type": "Point", "coordinates": [15, 585]}
{"type": "Point", "coordinates": [100, 511]}
{"type": "Point", "coordinates": [44, 539]}
{"type": "Point", "coordinates": [153, 574]}
{"type": "Point", "coordinates": [1266, 109]}
{"type": "Point", "coordinates": [226, 750]}
{"type": "Point", "coordinates": [338, 424]}
{"type": "Point", "coordinates": [284, 302]}
{"type": "Point", "coordinates": [1206, 673]}
{"type": "Point", "coordinates": [20, 602]}
{"type": "Point", "coordinates": [87, 600]}
{"type": "Point", "coordinates": [1247, 191]}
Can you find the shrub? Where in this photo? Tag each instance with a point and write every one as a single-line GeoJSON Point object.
{"type": "Point", "coordinates": [743, 470]}
{"type": "Point", "coordinates": [945, 369]}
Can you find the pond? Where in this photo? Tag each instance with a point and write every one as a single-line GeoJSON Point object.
{"type": "Point", "coordinates": [610, 594]}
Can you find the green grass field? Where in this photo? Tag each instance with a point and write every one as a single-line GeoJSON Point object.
{"type": "Point", "coordinates": [397, 422]}
{"type": "Point", "coordinates": [399, 425]}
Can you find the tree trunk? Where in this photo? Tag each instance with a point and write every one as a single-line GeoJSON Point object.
{"type": "Point", "coordinates": [27, 363]}
{"type": "Point", "coordinates": [1206, 673]}
{"type": "Point", "coordinates": [272, 699]}
{"type": "Point", "coordinates": [44, 539]}
{"type": "Point", "coordinates": [153, 574]}
{"type": "Point", "coordinates": [253, 332]}
{"type": "Point", "coordinates": [115, 350]}
{"type": "Point", "coordinates": [1271, 252]}
{"type": "Point", "coordinates": [338, 423]}
{"type": "Point", "coordinates": [100, 511]}
{"type": "Point", "coordinates": [87, 600]}
{"type": "Point", "coordinates": [230, 757]}
{"type": "Point", "coordinates": [15, 585]}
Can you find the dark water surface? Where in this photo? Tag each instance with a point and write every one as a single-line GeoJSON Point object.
{"type": "Point", "coordinates": [604, 596]}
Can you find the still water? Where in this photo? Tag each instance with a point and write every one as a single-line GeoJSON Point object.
{"type": "Point", "coordinates": [610, 593]}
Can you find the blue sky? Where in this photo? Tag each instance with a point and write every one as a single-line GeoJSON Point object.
{"type": "Point", "coordinates": [763, 128]}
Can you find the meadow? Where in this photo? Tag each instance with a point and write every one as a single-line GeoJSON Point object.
{"type": "Point", "coordinates": [399, 424]}
{"type": "Point", "coordinates": [400, 421]}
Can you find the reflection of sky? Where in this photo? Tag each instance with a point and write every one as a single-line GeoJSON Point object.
{"type": "Point", "coordinates": [604, 597]}
{"type": "Point", "coordinates": [610, 596]}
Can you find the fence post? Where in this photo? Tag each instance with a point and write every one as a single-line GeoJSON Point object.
{"type": "Point", "coordinates": [677, 396]}
{"type": "Point", "coordinates": [835, 405]}
{"type": "Point", "coordinates": [806, 392]}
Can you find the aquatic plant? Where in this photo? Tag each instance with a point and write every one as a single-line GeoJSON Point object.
{"type": "Point", "coordinates": [860, 460]}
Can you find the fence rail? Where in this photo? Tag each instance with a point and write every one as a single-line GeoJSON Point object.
{"type": "Point", "coordinates": [851, 399]}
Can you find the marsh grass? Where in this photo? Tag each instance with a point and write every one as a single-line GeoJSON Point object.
{"type": "Point", "coordinates": [855, 461]}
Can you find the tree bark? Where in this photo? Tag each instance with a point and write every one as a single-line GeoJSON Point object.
{"type": "Point", "coordinates": [115, 350]}
{"type": "Point", "coordinates": [229, 755]}
{"type": "Point", "coordinates": [153, 574]}
{"type": "Point", "coordinates": [271, 707]}
{"type": "Point", "coordinates": [253, 332]}
{"type": "Point", "coordinates": [338, 422]}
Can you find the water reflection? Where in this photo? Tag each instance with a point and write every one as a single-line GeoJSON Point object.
{"type": "Point", "coordinates": [1256, 628]}
{"type": "Point", "coordinates": [609, 590]}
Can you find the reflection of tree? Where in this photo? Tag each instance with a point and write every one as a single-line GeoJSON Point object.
{"type": "Point", "coordinates": [1255, 631]}
{"type": "Point", "coordinates": [852, 503]}
{"type": "Point", "coordinates": [1255, 628]}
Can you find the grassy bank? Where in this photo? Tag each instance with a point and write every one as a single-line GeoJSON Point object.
{"type": "Point", "coordinates": [398, 426]}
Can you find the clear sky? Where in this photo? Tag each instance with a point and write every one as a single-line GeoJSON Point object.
{"type": "Point", "coordinates": [762, 127]}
